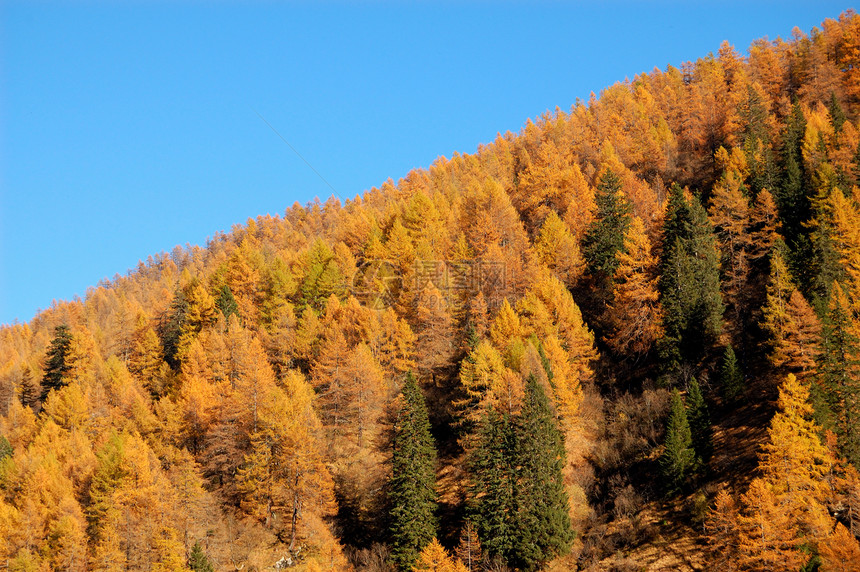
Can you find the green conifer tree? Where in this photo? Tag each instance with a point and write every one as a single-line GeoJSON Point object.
{"type": "Point", "coordinates": [5, 448]}
{"type": "Point", "coordinates": [543, 509]}
{"type": "Point", "coordinates": [700, 422]}
{"type": "Point", "coordinates": [731, 376]}
{"type": "Point", "coordinates": [413, 479]}
{"type": "Point", "coordinates": [493, 488]}
{"type": "Point", "coordinates": [226, 302]}
{"type": "Point", "coordinates": [689, 284]}
{"type": "Point", "coordinates": [837, 395]}
{"type": "Point", "coordinates": [604, 238]}
{"type": "Point", "coordinates": [678, 458]}
{"type": "Point", "coordinates": [197, 561]}
{"type": "Point", "coordinates": [56, 363]}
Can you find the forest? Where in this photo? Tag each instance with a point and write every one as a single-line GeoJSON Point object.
{"type": "Point", "coordinates": [625, 338]}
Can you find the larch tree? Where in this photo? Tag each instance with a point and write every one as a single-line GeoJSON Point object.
{"type": "Point", "coordinates": [434, 558]}
{"type": "Point", "coordinates": [635, 310]}
{"type": "Point", "coordinates": [412, 483]}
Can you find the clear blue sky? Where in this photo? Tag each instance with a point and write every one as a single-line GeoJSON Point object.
{"type": "Point", "coordinates": [129, 128]}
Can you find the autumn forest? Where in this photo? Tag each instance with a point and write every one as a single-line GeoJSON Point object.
{"type": "Point", "coordinates": [625, 338]}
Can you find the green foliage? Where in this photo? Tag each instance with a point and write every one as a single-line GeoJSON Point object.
{"type": "Point", "coordinates": [543, 520]}
{"type": "Point", "coordinates": [322, 276]}
{"type": "Point", "coordinates": [170, 327]}
{"type": "Point", "coordinates": [604, 238]}
{"type": "Point", "coordinates": [700, 421]}
{"type": "Point", "coordinates": [56, 363]}
{"type": "Point", "coordinates": [678, 459]}
{"type": "Point", "coordinates": [689, 284]}
{"type": "Point", "coordinates": [837, 395]}
{"type": "Point", "coordinates": [226, 303]}
{"type": "Point", "coordinates": [731, 376]}
{"type": "Point", "coordinates": [5, 448]}
{"type": "Point", "coordinates": [413, 479]}
{"type": "Point", "coordinates": [520, 505]}
{"type": "Point", "coordinates": [494, 484]}
{"type": "Point", "coordinates": [197, 560]}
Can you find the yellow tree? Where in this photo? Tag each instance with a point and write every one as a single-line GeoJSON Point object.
{"type": "Point", "coordinates": [284, 472]}
{"type": "Point", "coordinates": [434, 558]}
{"type": "Point", "coordinates": [557, 248]}
{"type": "Point", "coordinates": [840, 552]}
{"type": "Point", "coordinates": [635, 311]}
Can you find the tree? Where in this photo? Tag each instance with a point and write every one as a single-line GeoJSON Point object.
{"type": "Point", "coordinates": [226, 303]}
{"type": "Point", "coordinates": [434, 558]}
{"type": "Point", "coordinates": [543, 521]}
{"type": "Point", "coordinates": [57, 363]}
{"type": "Point", "coordinates": [839, 375]}
{"type": "Point", "coordinates": [731, 376]}
{"type": "Point", "coordinates": [469, 548]}
{"type": "Point", "coordinates": [689, 284]}
{"type": "Point", "coordinates": [197, 560]}
{"type": "Point", "coordinates": [678, 458]}
{"type": "Point", "coordinates": [635, 310]}
{"type": "Point", "coordinates": [5, 448]}
{"type": "Point", "coordinates": [700, 422]}
{"type": "Point", "coordinates": [558, 249]}
{"type": "Point", "coordinates": [412, 484]}
{"type": "Point", "coordinates": [604, 238]}
{"type": "Point", "coordinates": [840, 552]}
{"type": "Point", "coordinates": [493, 486]}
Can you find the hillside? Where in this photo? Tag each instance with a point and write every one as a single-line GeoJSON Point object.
{"type": "Point", "coordinates": [624, 338]}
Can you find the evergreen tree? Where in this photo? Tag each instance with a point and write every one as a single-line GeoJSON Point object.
{"type": "Point", "coordinates": [700, 421]}
{"type": "Point", "coordinates": [543, 520]}
{"type": "Point", "coordinates": [226, 303]}
{"type": "Point", "coordinates": [57, 364]}
{"type": "Point", "coordinates": [197, 561]}
{"type": "Point", "coordinates": [731, 376]}
{"type": "Point", "coordinates": [5, 448]}
{"type": "Point", "coordinates": [604, 238]}
{"type": "Point", "coordinates": [689, 284]}
{"type": "Point", "coordinates": [413, 479]}
{"type": "Point", "coordinates": [837, 405]}
{"type": "Point", "coordinates": [170, 327]}
{"type": "Point", "coordinates": [493, 487]}
{"type": "Point", "coordinates": [678, 458]}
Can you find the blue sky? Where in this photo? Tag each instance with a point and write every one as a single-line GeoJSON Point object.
{"type": "Point", "coordinates": [129, 128]}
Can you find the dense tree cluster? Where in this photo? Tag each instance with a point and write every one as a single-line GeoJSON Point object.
{"type": "Point", "coordinates": [483, 365]}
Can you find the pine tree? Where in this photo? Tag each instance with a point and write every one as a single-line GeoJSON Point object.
{"type": "Point", "coordinates": [839, 373]}
{"type": "Point", "coordinates": [197, 560]}
{"type": "Point", "coordinates": [678, 458]}
{"type": "Point", "coordinates": [413, 478]}
{"type": "Point", "coordinates": [689, 283]}
{"type": "Point", "coordinates": [543, 520]}
{"type": "Point", "coordinates": [700, 421]}
{"type": "Point", "coordinates": [5, 448]}
{"type": "Point", "coordinates": [731, 376]}
{"type": "Point", "coordinates": [604, 238]}
{"type": "Point", "coordinates": [226, 302]}
{"type": "Point", "coordinates": [493, 484]}
{"type": "Point", "coordinates": [57, 363]}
